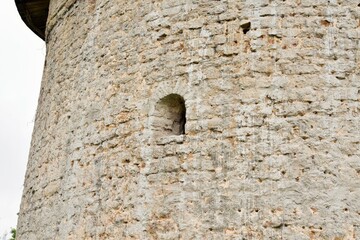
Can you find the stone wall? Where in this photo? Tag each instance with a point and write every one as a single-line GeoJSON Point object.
{"type": "Point", "coordinates": [272, 139]}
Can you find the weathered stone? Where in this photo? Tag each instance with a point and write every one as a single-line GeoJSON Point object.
{"type": "Point", "coordinates": [181, 119]}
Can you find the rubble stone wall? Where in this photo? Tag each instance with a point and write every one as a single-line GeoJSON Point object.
{"type": "Point", "coordinates": [271, 148]}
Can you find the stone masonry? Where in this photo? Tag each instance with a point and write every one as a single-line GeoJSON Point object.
{"type": "Point", "coordinates": [197, 119]}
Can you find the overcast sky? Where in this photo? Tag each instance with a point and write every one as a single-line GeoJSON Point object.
{"type": "Point", "coordinates": [21, 64]}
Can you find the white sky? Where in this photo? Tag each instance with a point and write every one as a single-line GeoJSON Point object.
{"type": "Point", "coordinates": [21, 64]}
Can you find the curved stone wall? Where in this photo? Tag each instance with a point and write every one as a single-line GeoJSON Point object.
{"type": "Point", "coordinates": [271, 147]}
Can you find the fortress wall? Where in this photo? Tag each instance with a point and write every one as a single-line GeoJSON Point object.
{"type": "Point", "coordinates": [271, 145]}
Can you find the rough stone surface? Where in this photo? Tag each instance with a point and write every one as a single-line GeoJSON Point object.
{"type": "Point", "coordinates": [272, 139]}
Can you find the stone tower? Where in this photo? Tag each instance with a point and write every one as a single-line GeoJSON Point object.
{"type": "Point", "coordinates": [195, 119]}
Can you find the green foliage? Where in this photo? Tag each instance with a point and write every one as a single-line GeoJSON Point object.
{"type": "Point", "coordinates": [13, 234]}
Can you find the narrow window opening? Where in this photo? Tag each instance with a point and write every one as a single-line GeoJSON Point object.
{"type": "Point", "coordinates": [170, 115]}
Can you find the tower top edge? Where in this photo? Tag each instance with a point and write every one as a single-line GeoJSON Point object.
{"type": "Point", "coordinates": [34, 13]}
